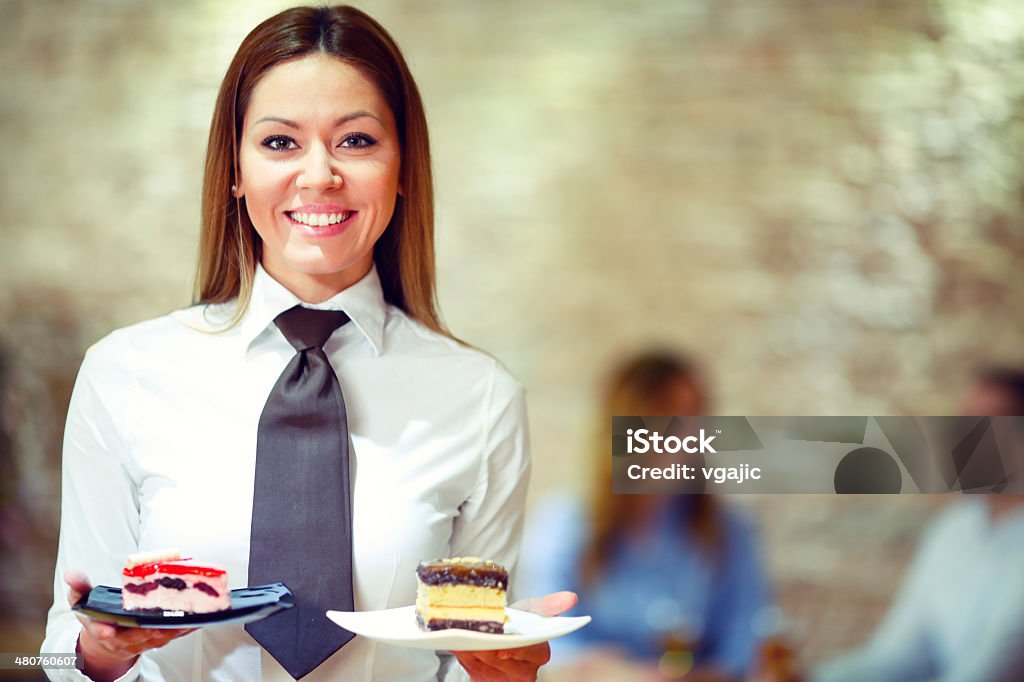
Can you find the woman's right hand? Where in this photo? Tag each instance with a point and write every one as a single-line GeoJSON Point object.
{"type": "Point", "coordinates": [108, 651]}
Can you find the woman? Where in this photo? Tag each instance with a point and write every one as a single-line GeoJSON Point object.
{"type": "Point", "coordinates": [673, 583]}
{"type": "Point", "coordinates": [317, 194]}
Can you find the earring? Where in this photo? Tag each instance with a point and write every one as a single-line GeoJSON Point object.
{"type": "Point", "coordinates": [234, 189]}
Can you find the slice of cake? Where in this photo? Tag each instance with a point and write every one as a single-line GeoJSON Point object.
{"type": "Point", "coordinates": [161, 581]}
{"type": "Point", "coordinates": [462, 592]}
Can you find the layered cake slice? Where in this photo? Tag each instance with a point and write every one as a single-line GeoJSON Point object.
{"type": "Point", "coordinates": [462, 592]}
{"type": "Point", "coordinates": [161, 581]}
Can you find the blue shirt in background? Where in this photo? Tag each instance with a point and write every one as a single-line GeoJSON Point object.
{"type": "Point", "coordinates": [659, 585]}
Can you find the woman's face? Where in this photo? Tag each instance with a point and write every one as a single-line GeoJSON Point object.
{"type": "Point", "coordinates": [319, 169]}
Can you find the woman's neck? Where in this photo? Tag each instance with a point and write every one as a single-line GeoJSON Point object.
{"type": "Point", "coordinates": [316, 288]}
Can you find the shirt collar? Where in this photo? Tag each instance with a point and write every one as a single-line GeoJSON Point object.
{"type": "Point", "coordinates": [363, 302]}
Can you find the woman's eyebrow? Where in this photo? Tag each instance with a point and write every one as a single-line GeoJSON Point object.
{"type": "Point", "coordinates": [354, 115]}
{"type": "Point", "coordinates": [340, 121]}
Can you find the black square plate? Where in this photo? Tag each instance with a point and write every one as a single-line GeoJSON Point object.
{"type": "Point", "coordinates": [248, 604]}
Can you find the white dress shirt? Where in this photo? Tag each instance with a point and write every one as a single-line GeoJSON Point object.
{"type": "Point", "coordinates": [160, 449]}
{"type": "Point", "coordinates": [959, 615]}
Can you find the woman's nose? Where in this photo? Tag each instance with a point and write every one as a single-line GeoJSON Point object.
{"type": "Point", "coordinates": [319, 171]}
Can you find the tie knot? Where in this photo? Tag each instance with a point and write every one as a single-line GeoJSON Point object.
{"type": "Point", "coordinates": [307, 328]}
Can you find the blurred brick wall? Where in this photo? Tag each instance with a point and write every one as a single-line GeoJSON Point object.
{"type": "Point", "coordinates": [820, 200]}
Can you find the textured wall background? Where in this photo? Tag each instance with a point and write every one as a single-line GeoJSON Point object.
{"type": "Point", "coordinates": [821, 200]}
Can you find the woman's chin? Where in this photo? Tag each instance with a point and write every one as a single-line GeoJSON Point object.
{"type": "Point", "coordinates": [320, 267]}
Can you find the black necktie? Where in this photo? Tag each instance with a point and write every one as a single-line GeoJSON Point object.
{"type": "Point", "coordinates": [301, 511]}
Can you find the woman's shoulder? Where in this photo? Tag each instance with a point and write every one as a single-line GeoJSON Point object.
{"type": "Point", "coordinates": [405, 333]}
{"type": "Point", "coordinates": [406, 336]}
{"type": "Point", "coordinates": [171, 333]}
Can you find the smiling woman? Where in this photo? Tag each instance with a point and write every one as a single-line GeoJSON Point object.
{"type": "Point", "coordinates": [368, 65]}
{"type": "Point", "coordinates": [261, 431]}
{"type": "Point", "coordinates": [320, 174]}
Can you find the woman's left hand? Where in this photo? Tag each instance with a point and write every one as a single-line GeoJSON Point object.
{"type": "Point", "coordinates": [522, 663]}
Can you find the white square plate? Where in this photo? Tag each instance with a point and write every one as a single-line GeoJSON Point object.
{"type": "Point", "coordinates": [398, 626]}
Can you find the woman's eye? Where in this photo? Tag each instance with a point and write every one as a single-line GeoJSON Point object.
{"type": "Point", "coordinates": [358, 140]}
{"type": "Point", "coordinates": [279, 143]}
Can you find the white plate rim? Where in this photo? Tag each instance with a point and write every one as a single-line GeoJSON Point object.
{"type": "Point", "coordinates": [460, 640]}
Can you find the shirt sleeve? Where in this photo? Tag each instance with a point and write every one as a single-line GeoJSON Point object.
{"type": "Point", "coordinates": [99, 506]}
{"type": "Point", "coordinates": [741, 594]}
{"type": "Point", "coordinates": [490, 521]}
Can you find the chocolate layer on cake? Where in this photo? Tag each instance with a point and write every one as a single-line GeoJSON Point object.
{"type": "Point", "coordinates": [490, 626]}
{"type": "Point", "coordinates": [463, 571]}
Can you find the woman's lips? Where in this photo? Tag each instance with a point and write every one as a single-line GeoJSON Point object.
{"type": "Point", "coordinates": [320, 224]}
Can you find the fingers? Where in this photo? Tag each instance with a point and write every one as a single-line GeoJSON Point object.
{"type": "Point", "coordinates": [548, 605]}
{"type": "Point", "coordinates": [126, 637]}
{"type": "Point", "coordinates": [478, 669]}
{"type": "Point", "coordinates": [536, 655]}
{"type": "Point", "coordinates": [505, 664]}
{"type": "Point", "coordinates": [97, 629]}
{"type": "Point", "coordinates": [122, 636]}
{"type": "Point", "coordinates": [156, 639]}
{"type": "Point", "coordinates": [78, 583]}
{"type": "Point", "coordinates": [104, 642]}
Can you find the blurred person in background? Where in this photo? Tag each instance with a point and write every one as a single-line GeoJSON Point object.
{"type": "Point", "coordinates": [959, 614]}
{"type": "Point", "coordinates": [674, 583]}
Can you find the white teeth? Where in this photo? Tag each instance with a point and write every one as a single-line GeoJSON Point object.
{"type": "Point", "coordinates": [320, 219]}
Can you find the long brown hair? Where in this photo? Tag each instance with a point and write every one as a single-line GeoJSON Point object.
{"type": "Point", "coordinates": [229, 245]}
{"type": "Point", "coordinates": [642, 386]}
